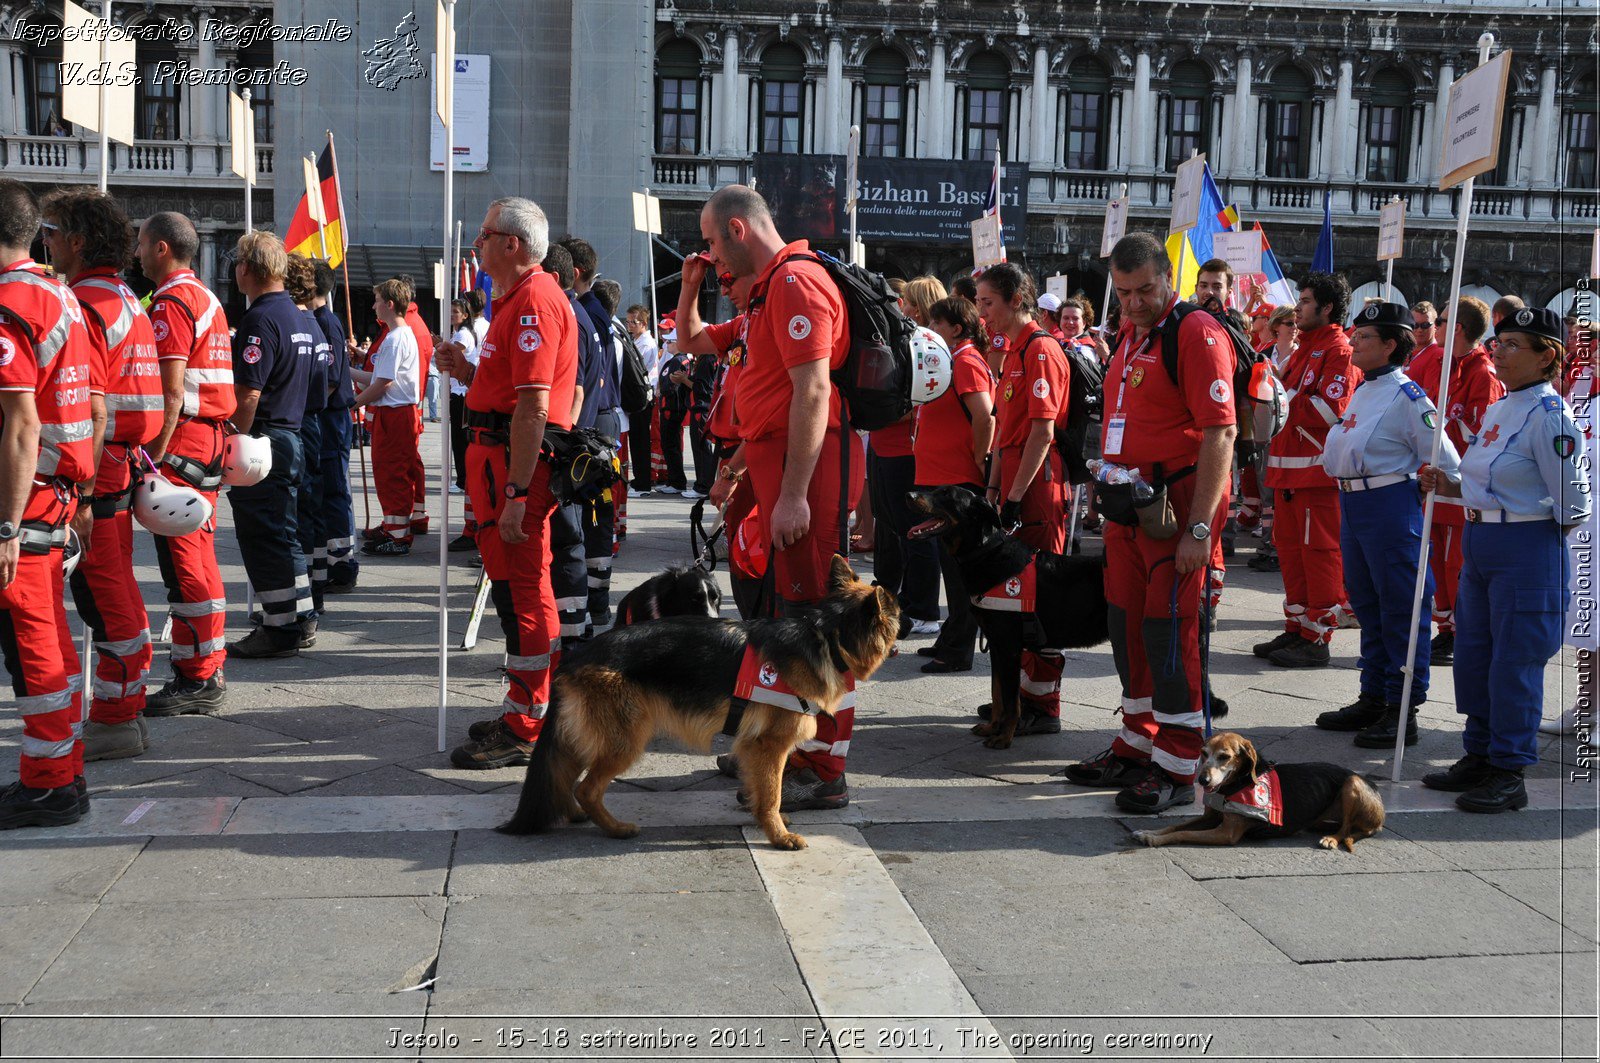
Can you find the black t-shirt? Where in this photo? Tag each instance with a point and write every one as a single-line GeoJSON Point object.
{"type": "Point", "coordinates": [343, 395]}
{"type": "Point", "coordinates": [611, 388]}
{"type": "Point", "coordinates": [273, 351]}
{"type": "Point", "coordinates": [317, 378]}
{"type": "Point", "coordinates": [592, 362]}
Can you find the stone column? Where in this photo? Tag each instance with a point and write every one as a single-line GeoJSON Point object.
{"type": "Point", "coordinates": [204, 125]}
{"type": "Point", "coordinates": [1435, 137]}
{"type": "Point", "coordinates": [1243, 160]}
{"type": "Point", "coordinates": [836, 101]}
{"type": "Point", "coordinates": [1140, 133]}
{"type": "Point", "coordinates": [13, 115]}
{"type": "Point", "coordinates": [732, 138]}
{"type": "Point", "coordinates": [1044, 114]}
{"type": "Point", "coordinates": [936, 130]}
{"type": "Point", "coordinates": [1339, 134]}
{"type": "Point", "coordinates": [1544, 130]}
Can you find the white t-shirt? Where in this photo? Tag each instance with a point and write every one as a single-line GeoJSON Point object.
{"type": "Point", "coordinates": [650, 353]}
{"type": "Point", "coordinates": [480, 329]}
{"type": "Point", "coordinates": [468, 340]}
{"type": "Point", "coordinates": [397, 359]}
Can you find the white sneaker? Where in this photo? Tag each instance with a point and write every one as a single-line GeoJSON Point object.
{"type": "Point", "coordinates": [665, 489]}
{"type": "Point", "coordinates": [924, 627]}
{"type": "Point", "coordinates": [456, 490]}
{"type": "Point", "coordinates": [692, 495]}
{"type": "Point", "coordinates": [1561, 725]}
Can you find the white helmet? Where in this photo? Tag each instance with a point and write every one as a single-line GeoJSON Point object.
{"type": "Point", "coordinates": [931, 373]}
{"type": "Point", "coordinates": [71, 554]}
{"type": "Point", "coordinates": [246, 460]}
{"type": "Point", "coordinates": [169, 509]}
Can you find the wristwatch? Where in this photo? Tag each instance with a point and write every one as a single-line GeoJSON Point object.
{"type": "Point", "coordinates": [8, 531]}
{"type": "Point", "coordinates": [1200, 530]}
{"type": "Point", "coordinates": [514, 492]}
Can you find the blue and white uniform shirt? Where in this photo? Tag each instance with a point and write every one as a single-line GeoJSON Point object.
{"type": "Point", "coordinates": [1529, 459]}
{"type": "Point", "coordinates": [1387, 429]}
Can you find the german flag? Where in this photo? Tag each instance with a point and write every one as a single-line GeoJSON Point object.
{"type": "Point", "coordinates": [303, 230]}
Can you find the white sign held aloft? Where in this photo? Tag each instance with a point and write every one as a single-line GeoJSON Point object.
{"type": "Point", "coordinates": [1057, 286]}
{"type": "Point", "coordinates": [1594, 256]}
{"type": "Point", "coordinates": [1392, 230]}
{"type": "Point", "coordinates": [444, 54]}
{"type": "Point", "coordinates": [1116, 225]}
{"type": "Point", "coordinates": [316, 206]}
{"type": "Point", "coordinates": [80, 96]}
{"type": "Point", "coordinates": [470, 121]}
{"type": "Point", "coordinates": [1187, 184]}
{"type": "Point", "coordinates": [1472, 122]}
{"type": "Point", "coordinates": [646, 213]}
{"type": "Point", "coordinates": [988, 245]}
{"type": "Point", "coordinates": [241, 137]}
{"type": "Point", "coordinates": [1240, 250]}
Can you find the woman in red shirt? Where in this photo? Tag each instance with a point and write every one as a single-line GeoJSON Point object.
{"type": "Point", "coordinates": [950, 440]}
{"type": "Point", "coordinates": [1026, 481]}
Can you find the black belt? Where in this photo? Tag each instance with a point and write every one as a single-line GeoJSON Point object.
{"type": "Point", "coordinates": [104, 506]}
{"type": "Point", "coordinates": [494, 422]}
{"type": "Point", "coordinates": [40, 536]}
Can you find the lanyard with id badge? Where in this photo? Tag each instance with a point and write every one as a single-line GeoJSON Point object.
{"type": "Point", "coordinates": [1118, 422]}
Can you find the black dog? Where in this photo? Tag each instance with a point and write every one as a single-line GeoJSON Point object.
{"type": "Point", "coordinates": [1070, 595]}
{"type": "Point", "coordinates": [679, 591]}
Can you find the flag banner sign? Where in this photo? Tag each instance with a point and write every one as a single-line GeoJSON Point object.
{"type": "Point", "coordinates": [471, 122]}
{"type": "Point", "coordinates": [1116, 225]}
{"type": "Point", "coordinates": [1187, 185]}
{"type": "Point", "coordinates": [1472, 122]}
{"type": "Point", "coordinates": [1241, 250]}
{"type": "Point", "coordinates": [910, 201]}
{"type": "Point", "coordinates": [1392, 230]}
{"type": "Point", "coordinates": [1057, 286]}
{"type": "Point", "coordinates": [988, 246]}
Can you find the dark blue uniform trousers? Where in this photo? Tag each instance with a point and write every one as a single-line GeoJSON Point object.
{"type": "Point", "coordinates": [266, 520]}
{"type": "Point", "coordinates": [1380, 536]}
{"type": "Point", "coordinates": [338, 513]}
{"type": "Point", "coordinates": [1510, 610]}
{"type": "Point", "coordinates": [308, 506]}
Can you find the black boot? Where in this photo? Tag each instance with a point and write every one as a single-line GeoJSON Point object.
{"type": "Point", "coordinates": [1271, 646]}
{"type": "Point", "coordinates": [1444, 649]}
{"type": "Point", "coordinates": [1468, 773]}
{"type": "Point", "coordinates": [1362, 713]}
{"type": "Point", "coordinates": [1502, 790]}
{"type": "Point", "coordinates": [1381, 733]}
{"type": "Point", "coordinates": [1303, 653]}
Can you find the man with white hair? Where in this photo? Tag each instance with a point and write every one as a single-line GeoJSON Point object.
{"type": "Point", "coordinates": [525, 381]}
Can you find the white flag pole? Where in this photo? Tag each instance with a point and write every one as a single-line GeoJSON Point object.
{"type": "Point", "coordinates": [444, 88]}
{"type": "Point", "coordinates": [1388, 271]}
{"type": "Point", "coordinates": [105, 126]}
{"type": "Point", "coordinates": [1463, 215]}
{"type": "Point", "coordinates": [249, 165]}
{"type": "Point", "coordinates": [1105, 304]}
{"type": "Point", "coordinates": [853, 162]}
{"type": "Point", "coordinates": [650, 259]}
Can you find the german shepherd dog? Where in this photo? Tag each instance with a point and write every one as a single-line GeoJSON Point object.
{"type": "Point", "coordinates": [1070, 595]}
{"type": "Point", "coordinates": [677, 676]}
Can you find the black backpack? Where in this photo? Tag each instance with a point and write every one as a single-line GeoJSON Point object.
{"type": "Point", "coordinates": [1244, 356]}
{"type": "Point", "coordinates": [635, 387]}
{"type": "Point", "coordinates": [1085, 398]}
{"type": "Point", "coordinates": [875, 380]}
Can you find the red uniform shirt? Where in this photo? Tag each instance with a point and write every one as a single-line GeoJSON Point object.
{"type": "Point", "coordinates": [1473, 388]}
{"type": "Point", "coordinates": [1032, 387]}
{"type": "Point", "coordinates": [45, 349]}
{"type": "Point", "coordinates": [894, 441]}
{"type": "Point", "coordinates": [1321, 378]}
{"type": "Point", "coordinates": [130, 377]}
{"type": "Point", "coordinates": [189, 325]}
{"type": "Point", "coordinates": [532, 344]}
{"type": "Point", "coordinates": [728, 338]}
{"type": "Point", "coordinates": [943, 438]}
{"type": "Point", "coordinates": [1159, 419]}
{"type": "Point", "coordinates": [796, 316]}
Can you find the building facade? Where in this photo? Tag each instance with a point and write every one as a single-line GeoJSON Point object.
{"type": "Point", "coordinates": [1285, 101]}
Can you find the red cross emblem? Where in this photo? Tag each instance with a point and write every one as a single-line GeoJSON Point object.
{"type": "Point", "coordinates": [1491, 435]}
{"type": "Point", "coordinates": [1349, 422]}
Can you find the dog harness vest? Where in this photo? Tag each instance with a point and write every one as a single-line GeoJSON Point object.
{"type": "Point", "coordinates": [1262, 800]}
{"type": "Point", "coordinates": [759, 682]}
{"type": "Point", "coordinates": [1016, 594]}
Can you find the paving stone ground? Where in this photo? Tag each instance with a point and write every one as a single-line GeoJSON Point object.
{"type": "Point", "coordinates": [307, 853]}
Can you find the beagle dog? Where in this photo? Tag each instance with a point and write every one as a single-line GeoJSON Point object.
{"type": "Point", "coordinates": [1247, 797]}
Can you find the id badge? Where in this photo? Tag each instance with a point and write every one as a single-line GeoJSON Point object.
{"type": "Point", "coordinates": [1114, 429]}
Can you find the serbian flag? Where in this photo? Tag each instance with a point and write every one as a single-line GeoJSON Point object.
{"type": "Point", "coordinates": [303, 235]}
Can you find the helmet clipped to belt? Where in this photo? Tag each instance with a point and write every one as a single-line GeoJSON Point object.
{"type": "Point", "coordinates": [932, 367]}
{"type": "Point", "coordinates": [246, 460]}
{"type": "Point", "coordinates": [169, 509]}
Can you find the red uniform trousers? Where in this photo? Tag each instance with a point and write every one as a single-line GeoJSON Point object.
{"type": "Point", "coordinates": [1044, 527]}
{"type": "Point", "coordinates": [1155, 640]}
{"type": "Point", "coordinates": [619, 495]}
{"type": "Point", "coordinates": [1306, 534]}
{"type": "Point", "coordinates": [800, 573]}
{"type": "Point", "coordinates": [1444, 559]}
{"type": "Point", "coordinates": [395, 433]}
{"type": "Point", "coordinates": [108, 597]}
{"type": "Point", "coordinates": [1249, 514]}
{"type": "Point", "coordinates": [43, 662]}
{"type": "Point", "coordinates": [195, 594]}
{"type": "Point", "coordinates": [520, 584]}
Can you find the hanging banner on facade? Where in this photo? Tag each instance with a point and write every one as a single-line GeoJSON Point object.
{"type": "Point", "coordinates": [470, 107]}
{"type": "Point", "coordinates": [912, 201]}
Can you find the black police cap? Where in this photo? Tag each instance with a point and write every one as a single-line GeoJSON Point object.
{"type": "Point", "coordinates": [1535, 320]}
{"type": "Point", "coordinates": [1396, 314]}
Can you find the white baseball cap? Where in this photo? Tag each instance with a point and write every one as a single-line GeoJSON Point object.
{"type": "Point", "coordinates": [1049, 302]}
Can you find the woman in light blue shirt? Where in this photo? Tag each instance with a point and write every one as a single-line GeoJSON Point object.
{"type": "Point", "coordinates": [1373, 453]}
{"type": "Point", "coordinates": [1524, 489]}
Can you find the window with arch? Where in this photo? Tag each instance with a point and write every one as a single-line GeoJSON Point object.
{"type": "Point", "coordinates": [783, 68]}
{"type": "Point", "coordinates": [1388, 126]}
{"type": "Point", "coordinates": [1088, 93]}
{"type": "Point", "coordinates": [42, 68]}
{"type": "Point", "coordinates": [883, 103]}
{"type": "Point", "coordinates": [260, 58]}
{"type": "Point", "coordinates": [988, 86]}
{"type": "Point", "coordinates": [1288, 121]}
{"type": "Point", "coordinates": [1578, 136]}
{"type": "Point", "coordinates": [1188, 110]}
{"type": "Point", "coordinates": [156, 117]}
{"type": "Point", "coordinates": [678, 99]}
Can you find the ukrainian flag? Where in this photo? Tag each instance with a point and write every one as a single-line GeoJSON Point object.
{"type": "Point", "coordinates": [1194, 246]}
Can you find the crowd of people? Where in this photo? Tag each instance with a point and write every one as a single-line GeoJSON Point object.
{"type": "Point", "coordinates": [105, 398]}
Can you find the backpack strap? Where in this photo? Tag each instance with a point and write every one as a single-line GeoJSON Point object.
{"type": "Point", "coordinates": [1169, 337]}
